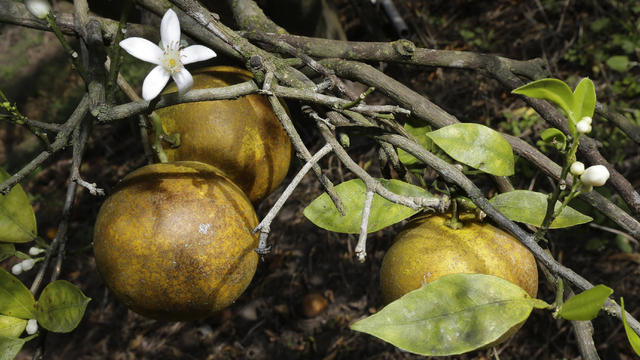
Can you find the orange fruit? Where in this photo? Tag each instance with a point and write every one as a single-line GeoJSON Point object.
{"type": "Point", "coordinates": [175, 242]}
{"type": "Point", "coordinates": [242, 137]}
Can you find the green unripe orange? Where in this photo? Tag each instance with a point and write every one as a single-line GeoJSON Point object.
{"type": "Point", "coordinates": [426, 249]}
{"type": "Point", "coordinates": [242, 137]}
{"type": "Point", "coordinates": [175, 241]}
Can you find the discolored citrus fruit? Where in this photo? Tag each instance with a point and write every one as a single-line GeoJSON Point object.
{"type": "Point", "coordinates": [427, 249]}
{"type": "Point", "coordinates": [242, 137]}
{"type": "Point", "coordinates": [175, 241]}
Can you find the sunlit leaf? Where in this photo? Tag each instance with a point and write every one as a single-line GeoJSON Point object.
{"type": "Point", "coordinates": [584, 99]}
{"type": "Point", "coordinates": [452, 315]}
{"type": "Point", "coordinates": [554, 90]}
{"type": "Point", "coordinates": [420, 133]}
{"type": "Point", "coordinates": [586, 305]}
{"type": "Point", "coordinates": [15, 299]}
{"type": "Point", "coordinates": [17, 220]}
{"type": "Point", "coordinates": [324, 214]}
{"type": "Point", "coordinates": [476, 145]}
{"type": "Point", "coordinates": [634, 339]}
{"type": "Point", "coordinates": [530, 207]}
{"type": "Point", "coordinates": [11, 326]}
{"type": "Point", "coordinates": [61, 306]}
{"type": "Point", "coordinates": [10, 346]}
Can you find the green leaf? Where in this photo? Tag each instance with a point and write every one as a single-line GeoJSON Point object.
{"type": "Point", "coordinates": [584, 99]}
{"type": "Point", "coordinates": [634, 339]}
{"type": "Point", "coordinates": [586, 305]}
{"type": "Point", "coordinates": [420, 133]}
{"type": "Point", "coordinates": [61, 306]}
{"type": "Point", "coordinates": [618, 63]}
{"type": "Point", "coordinates": [6, 251]}
{"type": "Point", "coordinates": [11, 326]}
{"type": "Point", "coordinates": [530, 207]}
{"type": "Point", "coordinates": [554, 137]}
{"type": "Point", "coordinates": [477, 146]}
{"type": "Point", "coordinates": [452, 315]}
{"type": "Point", "coordinates": [384, 213]}
{"type": "Point", "coordinates": [15, 299]}
{"type": "Point", "coordinates": [553, 90]}
{"type": "Point", "coordinates": [17, 220]}
{"type": "Point", "coordinates": [10, 346]}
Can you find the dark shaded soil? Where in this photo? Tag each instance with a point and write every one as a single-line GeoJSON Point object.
{"type": "Point", "coordinates": [267, 321]}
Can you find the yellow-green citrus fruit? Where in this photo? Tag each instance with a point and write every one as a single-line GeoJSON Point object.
{"type": "Point", "coordinates": [242, 137]}
{"type": "Point", "coordinates": [426, 249]}
{"type": "Point", "coordinates": [175, 242]}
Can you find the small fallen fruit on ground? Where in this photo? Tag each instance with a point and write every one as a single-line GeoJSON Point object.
{"type": "Point", "coordinates": [242, 137]}
{"type": "Point", "coordinates": [313, 304]}
{"type": "Point", "coordinates": [175, 242]}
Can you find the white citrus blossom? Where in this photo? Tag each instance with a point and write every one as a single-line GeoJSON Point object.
{"type": "Point", "coordinates": [16, 269]}
{"type": "Point", "coordinates": [596, 175]}
{"type": "Point", "coordinates": [34, 251]}
{"type": "Point", "coordinates": [577, 168]}
{"type": "Point", "coordinates": [38, 8]}
{"type": "Point", "coordinates": [32, 326]}
{"type": "Point", "coordinates": [170, 58]}
{"type": "Point", "coordinates": [28, 264]}
{"type": "Point", "coordinates": [584, 126]}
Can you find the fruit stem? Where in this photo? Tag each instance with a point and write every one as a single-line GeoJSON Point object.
{"type": "Point", "coordinates": [159, 134]}
{"type": "Point", "coordinates": [454, 222]}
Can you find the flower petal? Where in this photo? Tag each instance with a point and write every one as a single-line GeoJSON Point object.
{"type": "Point", "coordinates": [154, 83]}
{"type": "Point", "coordinates": [184, 80]}
{"type": "Point", "coordinates": [143, 49]}
{"type": "Point", "coordinates": [170, 29]}
{"type": "Point", "coordinates": [196, 53]}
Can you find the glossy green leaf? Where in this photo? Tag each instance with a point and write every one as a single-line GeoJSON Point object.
{"type": "Point", "coordinates": [15, 299]}
{"type": "Point", "coordinates": [634, 339]}
{"type": "Point", "coordinates": [61, 306]}
{"type": "Point", "coordinates": [6, 251]}
{"type": "Point", "coordinates": [384, 213]}
{"type": "Point", "coordinates": [11, 326]}
{"type": "Point", "coordinates": [477, 146]}
{"type": "Point", "coordinates": [586, 305]}
{"type": "Point", "coordinates": [530, 207]}
{"type": "Point", "coordinates": [452, 315]}
{"type": "Point", "coordinates": [555, 137]}
{"type": "Point", "coordinates": [420, 133]}
{"type": "Point", "coordinates": [17, 220]}
{"type": "Point", "coordinates": [618, 63]}
{"type": "Point", "coordinates": [584, 99]}
{"type": "Point", "coordinates": [10, 346]}
{"type": "Point", "coordinates": [554, 90]}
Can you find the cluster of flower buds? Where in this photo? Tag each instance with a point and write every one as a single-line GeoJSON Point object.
{"type": "Point", "coordinates": [26, 265]}
{"type": "Point", "coordinates": [584, 125]}
{"type": "Point", "coordinates": [596, 175]}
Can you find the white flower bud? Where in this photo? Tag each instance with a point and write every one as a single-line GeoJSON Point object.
{"type": "Point", "coordinates": [32, 326]}
{"type": "Point", "coordinates": [577, 168]}
{"type": "Point", "coordinates": [38, 8]}
{"type": "Point", "coordinates": [596, 175]}
{"type": "Point", "coordinates": [586, 119]}
{"type": "Point", "coordinates": [583, 126]}
{"type": "Point", "coordinates": [34, 251]}
{"type": "Point", "coordinates": [28, 264]}
{"type": "Point", "coordinates": [16, 269]}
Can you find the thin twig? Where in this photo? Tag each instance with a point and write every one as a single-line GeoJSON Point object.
{"type": "Point", "coordinates": [361, 246]}
{"type": "Point", "coordinates": [265, 225]}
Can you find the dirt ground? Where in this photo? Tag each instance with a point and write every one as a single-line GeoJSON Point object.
{"type": "Point", "coordinates": [267, 321]}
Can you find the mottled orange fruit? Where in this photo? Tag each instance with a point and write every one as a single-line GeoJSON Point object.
{"type": "Point", "coordinates": [175, 241]}
{"type": "Point", "coordinates": [242, 137]}
{"type": "Point", "coordinates": [427, 249]}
